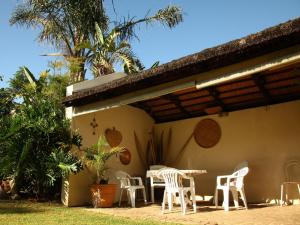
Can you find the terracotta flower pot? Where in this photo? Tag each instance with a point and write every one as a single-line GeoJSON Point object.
{"type": "Point", "coordinates": [103, 195]}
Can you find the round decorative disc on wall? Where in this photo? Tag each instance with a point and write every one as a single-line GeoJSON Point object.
{"type": "Point", "coordinates": [207, 133]}
{"type": "Point", "coordinates": [113, 137]}
{"type": "Point", "coordinates": [125, 156]}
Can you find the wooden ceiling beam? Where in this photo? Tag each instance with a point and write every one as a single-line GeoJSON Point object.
{"type": "Point", "coordinates": [176, 117]}
{"type": "Point", "coordinates": [184, 100]}
{"type": "Point", "coordinates": [259, 81]}
{"type": "Point", "coordinates": [234, 107]}
{"type": "Point", "coordinates": [258, 103]}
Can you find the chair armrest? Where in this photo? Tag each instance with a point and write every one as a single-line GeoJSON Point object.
{"type": "Point", "coordinates": [124, 181]}
{"type": "Point", "coordinates": [190, 178]}
{"type": "Point", "coordinates": [233, 176]}
{"type": "Point", "coordinates": [139, 179]}
{"type": "Point", "coordinates": [227, 177]}
{"type": "Point", "coordinates": [192, 181]}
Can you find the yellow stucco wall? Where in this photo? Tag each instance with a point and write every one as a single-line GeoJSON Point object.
{"type": "Point", "coordinates": [266, 137]}
{"type": "Point", "coordinates": [125, 119]}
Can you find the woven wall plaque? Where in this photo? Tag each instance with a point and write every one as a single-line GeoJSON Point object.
{"type": "Point", "coordinates": [207, 133]}
{"type": "Point", "coordinates": [125, 156]}
{"type": "Point", "coordinates": [113, 137]}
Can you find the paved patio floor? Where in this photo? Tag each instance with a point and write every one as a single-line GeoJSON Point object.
{"type": "Point", "coordinates": [258, 214]}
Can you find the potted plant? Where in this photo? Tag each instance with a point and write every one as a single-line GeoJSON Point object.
{"type": "Point", "coordinates": [96, 156]}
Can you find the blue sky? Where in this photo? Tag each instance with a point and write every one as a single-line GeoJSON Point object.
{"type": "Point", "coordinates": [206, 23]}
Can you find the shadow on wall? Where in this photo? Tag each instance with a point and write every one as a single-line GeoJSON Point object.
{"type": "Point", "coordinates": [272, 182]}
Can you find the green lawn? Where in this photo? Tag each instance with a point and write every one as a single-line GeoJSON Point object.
{"type": "Point", "coordinates": [24, 212]}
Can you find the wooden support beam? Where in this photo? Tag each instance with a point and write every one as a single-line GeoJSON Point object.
{"type": "Point", "coordinates": [260, 83]}
{"type": "Point", "coordinates": [173, 98]}
{"type": "Point", "coordinates": [217, 101]}
{"type": "Point", "coordinates": [145, 107]}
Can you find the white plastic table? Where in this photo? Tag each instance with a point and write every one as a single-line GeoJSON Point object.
{"type": "Point", "coordinates": [154, 174]}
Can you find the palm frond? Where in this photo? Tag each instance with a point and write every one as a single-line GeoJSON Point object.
{"type": "Point", "coordinates": [169, 16]}
{"type": "Point", "coordinates": [154, 65]}
{"type": "Point", "coordinates": [30, 77]}
{"type": "Point", "coordinates": [68, 168]}
{"type": "Point", "coordinates": [99, 39]}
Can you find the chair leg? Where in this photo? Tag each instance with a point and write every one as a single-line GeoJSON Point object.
{"type": "Point", "coordinates": [286, 195]}
{"type": "Point", "coordinates": [120, 199]}
{"type": "Point", "coordinates": [216, 198]}
{"type": "Point", "coordinates": [182, 202]}
{"type": "Point", "coordinates": [132, 198]}
{"type": "Point", "coordinates": [170, 201]}
{"type": "Point", "coordinates": [281, 194]}
{"type": "Point", "coordinates": [235, 197]}
{"type": "Point", "coordinates": [163, 205]}
{"type": "Point", "coordinates": [144, 194]}
{"type": "Point", "coordinates": [152, 194]}
{"type": "Point", "coordinates": [128, 197]}
{"type": "Point", "coordinates": [226, 199]}
{"type": "Point", "coordinates": [243, 195]}
{"type": "Point", "coordinates": [194, 201]}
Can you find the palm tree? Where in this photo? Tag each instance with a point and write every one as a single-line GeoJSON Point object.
{"type": "Point", "coordinates": [97, 155]}
{"type": "Point", "coordinates": [65, 24]}
{"type": "Point", "coordinates": [68, 24]}
{"type": "Point", "coordinates": [107, 50]}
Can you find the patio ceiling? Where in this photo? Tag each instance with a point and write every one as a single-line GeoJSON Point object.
{"type": "Point", "coordinates": [267, 88]}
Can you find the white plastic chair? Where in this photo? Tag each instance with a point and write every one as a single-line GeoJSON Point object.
{"type": "Point", "coordinates": [156, 182]}
{"type": "Point", "coordinates": [291, 169]}
{"type": "Point", "coordinates": [234, 183]}
{"type": "Point", "coordinates": [131, 185]}
{"type": "Point", "coordinates": [173, 180]}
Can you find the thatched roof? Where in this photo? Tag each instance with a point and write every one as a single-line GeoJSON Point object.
{"type": "Point", "coordinates": [269, 40]}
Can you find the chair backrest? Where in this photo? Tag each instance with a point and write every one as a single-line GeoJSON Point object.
{"type": "Point", "coordinates": [157, 167]}
{"type": "Point", "coordinates": [172, 178]}
{"type": "Point", "coordinates": [240, 166]}
{"type": "Point", "coordinates": [292, 170]}
{"type": "Point", "coordinates": [124, 178]}
{"type": "Point", "coordinates": [240, 171]}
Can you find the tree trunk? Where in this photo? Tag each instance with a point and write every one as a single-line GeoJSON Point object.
{"type": "Point", "coordinates": [77, 70]}
{"type": "Point", "coordinates": [103, 70]}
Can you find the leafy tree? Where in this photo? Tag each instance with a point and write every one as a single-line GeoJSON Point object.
{"type": "Point", "coordinates": [6, 102]}
{"type": "Point", "coordinates": [56, 66]}
{"type": "Point", "coordinates": [7, 106]}
{"type": "Point", "coordinates": [37, 142]}
{"type": "Point", "coordinates": [69, 24]}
